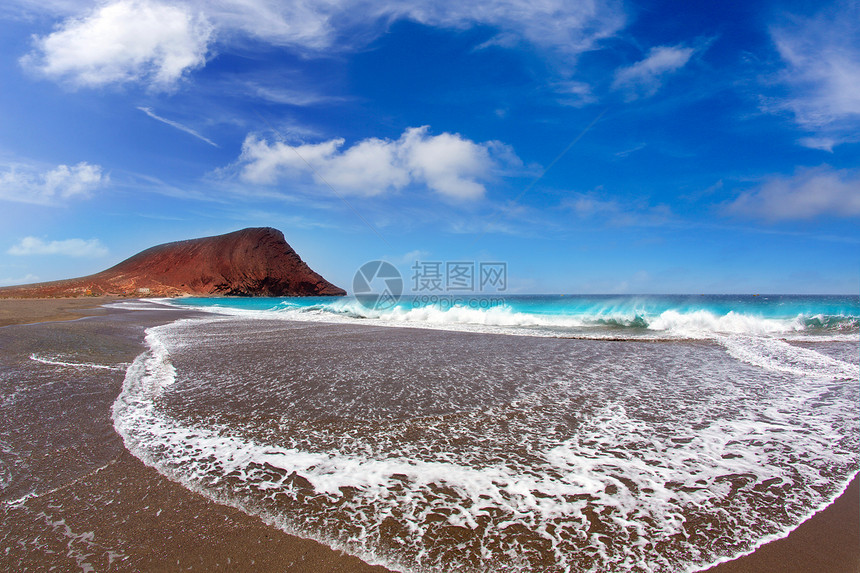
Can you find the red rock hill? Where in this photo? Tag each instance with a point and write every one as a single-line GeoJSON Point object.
{"type": "Point", "coordinates": [250, 262]}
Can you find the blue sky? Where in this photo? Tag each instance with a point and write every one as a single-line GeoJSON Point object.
{"type": "Point", "coordinates": [595, 147]}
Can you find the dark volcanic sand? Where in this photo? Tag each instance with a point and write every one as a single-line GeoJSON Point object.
{"type": "Point", "coordinates": [31, 310]}
{"type": "Point", "coordinates": [98, 508]}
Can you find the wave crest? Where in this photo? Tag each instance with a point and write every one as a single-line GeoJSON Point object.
{"type": "Point", "coordinates": [610, 319]}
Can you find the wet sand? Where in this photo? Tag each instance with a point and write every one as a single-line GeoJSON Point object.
{"type": "Point", "coordinates": [828, 542]}
{"type": "Point", "coordinates": [99, 507]}
{"type": "Point", "coordinates": [33, 310]}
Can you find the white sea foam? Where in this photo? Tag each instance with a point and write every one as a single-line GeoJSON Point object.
{"type": "Point", "coordinates": [779, 356]}
{"type": "Point", "coordinates": [493, 321]}
{"type": "Point", "coordinates": [5, 473]}
{"type": "Point", "coordinates": [65, 362]}
{"type": "Point", "coordinates": [494, 317]}
{"type": "Point", "coordinates": [605, 498]}
{"type": "Point", "coordinates": [140, 304]}
{"type": "Point", "coordinates": [702, 323]}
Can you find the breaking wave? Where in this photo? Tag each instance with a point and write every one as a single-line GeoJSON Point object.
{"type": "Point", "coordinates": [555, 317]}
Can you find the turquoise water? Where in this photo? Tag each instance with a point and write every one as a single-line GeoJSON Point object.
{"type": "Point", "coordinates": [583, 315]}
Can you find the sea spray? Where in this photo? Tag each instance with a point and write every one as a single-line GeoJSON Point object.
{"type": "Point", "coordinates": [583, 316]}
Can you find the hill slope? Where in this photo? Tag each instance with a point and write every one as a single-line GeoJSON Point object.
{"type": "Point", "coordinates": [250, 262]}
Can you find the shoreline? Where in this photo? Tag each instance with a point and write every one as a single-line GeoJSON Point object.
{"type": "Point", "coordinates": [827, 542]}
{"type": "Point", "coordinates": [223, 537]}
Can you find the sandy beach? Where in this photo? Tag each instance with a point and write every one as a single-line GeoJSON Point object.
{"type": "Point", "coordinates": [99, 506]}
{"type": "Point", "coordinates": [96, 507]}
{"type": "Point", "coordinates": [32, 310]}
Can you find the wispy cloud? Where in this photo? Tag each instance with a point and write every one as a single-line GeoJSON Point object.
{"type": "Point", "coordinates": [565, 27]}
{"type": "Point", "coordinates": [645, 77]}
{"type": "Point", "coordinates": [596, 206]}
{"type": "Point", "coordinates": [449, 164]}
{"type": "Point", "coordinates": [68, 247]}
{"type": "Point", "coordinates": [822, 74]}
{"type": "Point", "coordinates": [412, 256]}
{"type": "Point", "coordinates": [159, 42]}
{"type": "Point", "coordinates": [807, 194]}
{"type": "Point", "coordinates": [574, 93]}
{"type": "Point", "coordinates": [626, 152]}
{"type": "Point", "coordinates": [26, 279]}
{"type": "Point", "coordinates": [25, 184]}
{"type": "Point", "coordinates": [124, 41]}
{"type": "Point", "coordinates": [28, 9]}
{"type": "Point", "coordinates": [177, 125]}
{"type": "Point", "coordinates": [288, 96]}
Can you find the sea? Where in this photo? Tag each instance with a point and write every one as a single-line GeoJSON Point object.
{"type": "Point", "coordinates": [513, 433]}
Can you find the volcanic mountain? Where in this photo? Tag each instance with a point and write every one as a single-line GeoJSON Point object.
{"type": "Point", "coordinates": [250, 262]}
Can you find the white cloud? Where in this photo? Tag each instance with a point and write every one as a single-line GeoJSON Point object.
{"type": "Point", "coordinates": [808, 193]}
{"type": "Point", "coordinates": [24, 184]}
{"type": "Point", "coordinates": [157, 42]}
{"type": "Point", "coordinates": [69, 247]}
{"type": "Point", "coordinates": [567, 27]}
{"type": "Point", "coordinates": [299, 23]}
{"type": "Point", "coordinates": [448, 164]}
{"type": "Point", "coordinates": [822, 75]}
{"type": "Point", "coordinates": [124, 41]}
{"type": "Point", "coordinates": [177, 125]}
{"type": "Point", "coordinates": [645, 77]}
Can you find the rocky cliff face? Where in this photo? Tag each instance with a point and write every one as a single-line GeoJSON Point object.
{"type": "Point", "coordinates": [250, 262]}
